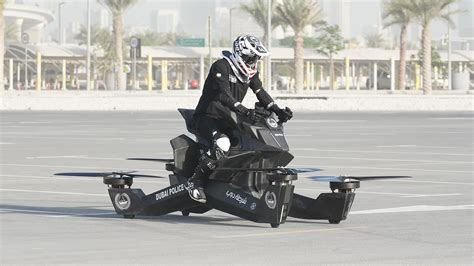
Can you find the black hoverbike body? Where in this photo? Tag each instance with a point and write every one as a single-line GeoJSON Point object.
{"type": "Point", "coordinates": [252, 182]}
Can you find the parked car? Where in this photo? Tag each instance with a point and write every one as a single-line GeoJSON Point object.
{"type": "Point", "coordinates": [383, 81]}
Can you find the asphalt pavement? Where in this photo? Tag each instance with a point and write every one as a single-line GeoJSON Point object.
{"type": "Point", "coordinates": [428, 219]}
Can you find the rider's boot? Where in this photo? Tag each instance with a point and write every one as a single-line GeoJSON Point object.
{"type": "Point", "coordinates": [201, 172]}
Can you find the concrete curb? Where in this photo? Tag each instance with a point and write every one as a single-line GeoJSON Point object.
{"type": "Point", "coordinates": [158, 101]}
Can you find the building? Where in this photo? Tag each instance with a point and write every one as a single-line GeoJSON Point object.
{"type": "Point", "coordinates": [102, 18]}
{"type": "Point", "coordinates": [164, 20]}
{"type": "Point", "coordinates": [27, 19]}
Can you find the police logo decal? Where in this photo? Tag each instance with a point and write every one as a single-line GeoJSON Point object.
{"type": "Point", "coordinates": [122, 201]}
{"type": "Point", "coordinates": [270, 199]}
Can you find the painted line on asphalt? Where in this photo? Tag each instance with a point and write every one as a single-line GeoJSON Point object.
{"type": "Point", "coordinates": [414, 208]}
{"type": "Point", "coordinates": [79, 167]}
{"type": "Point", "coordinates": [288, 232]}
{"type": "Point", "coordinates": [427, 182]}
{"type": "Point", "coordinates": [7, 143]}
{"type": "Point", "coordinates": [55, 214]}
{"type": "Point", "coordinates": [326, 121]}
{"type": "Point", "coordinates": [53, 192]}
{"type": "Point", "coordinates": [382, 152]}
{"type": "Point", "coordinates": [73, 178]}
{"type": "Point", "coordinates": [54, 157]}
{"type": "Point", "coordinates": [392, 168]}
{"type": "Point", "coordinates": [388, 160]}
{"type": "Point", "coordinates": [63, 138]}
{"type": "Point", "coordinates": [451, 118]}
{"type": "Point", "coordinates": [433, 195]}
{"type": "Point", "coordinates": [403, 195]}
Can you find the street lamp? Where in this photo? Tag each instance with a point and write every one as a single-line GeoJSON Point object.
{"type": "Point", "coordinates": [269, 38]}
{"type": "Point", "coordinates": [230, 24]}
{"type": "Point", "coordinates": [60, 38]}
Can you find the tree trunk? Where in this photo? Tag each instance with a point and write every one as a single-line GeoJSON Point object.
{"type": "Point", "coordinates": [299, 54]}
{"type": "Point", "coordinates": [403, 50]}
{"type": "Point", "coordinates": [426, 42]}
{"type": "Point", "coordinates": [2, 47]}
{"type": "Point", "coordinates": [331, 72]}
{"type": "Point", "coordinates": [118, 33]}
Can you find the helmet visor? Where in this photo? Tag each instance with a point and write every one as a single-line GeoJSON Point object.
{"type": "Point", "coordinates": [250, 60]}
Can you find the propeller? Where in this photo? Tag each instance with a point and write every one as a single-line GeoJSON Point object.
{"type": "Point", "coordinates": [108, 174]}
{"type": "Point", "coordinates": [152, 160]}
{"type": "Point", "coordinates": [274, 169]}
{"type": "Point", "coordinates": [342, 179]}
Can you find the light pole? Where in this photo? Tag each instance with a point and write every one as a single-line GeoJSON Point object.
{"type": "Point", "coordinates": [60, 37]}
{"type": "Point", "coordinates": [269, 38]}
{"type": "Point", "coordinates": [88, 61]}
{"type": "Point", "coordinates": [230, 24]}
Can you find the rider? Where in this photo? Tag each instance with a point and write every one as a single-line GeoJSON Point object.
{"type": "Point", "coordinates": [226, 86]}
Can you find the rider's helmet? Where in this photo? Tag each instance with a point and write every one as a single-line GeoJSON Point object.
{"type": "Point", "coordinates": [247, 50]}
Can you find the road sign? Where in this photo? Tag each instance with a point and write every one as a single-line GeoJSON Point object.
{"type": "Point", "coordinates": [25, 38]}
{"type": "Point", "coordinates": [192, 42]}
{"type": "Point", "coordinates": [134, 42]}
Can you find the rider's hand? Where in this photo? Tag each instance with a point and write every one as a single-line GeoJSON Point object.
{"type": "Point", "coordinates": [283, 114]}
{"type": "Point", "coordinates": [252, 115]}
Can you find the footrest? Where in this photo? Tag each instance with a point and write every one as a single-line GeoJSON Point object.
{"type": "Point", "coordinates": [281, 177]}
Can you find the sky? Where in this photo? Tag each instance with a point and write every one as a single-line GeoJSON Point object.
{"type": "Point", "coordinates": [364, 15]}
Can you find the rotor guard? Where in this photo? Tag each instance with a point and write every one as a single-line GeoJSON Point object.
{"type": "Point", "coordinates": [333, 207]}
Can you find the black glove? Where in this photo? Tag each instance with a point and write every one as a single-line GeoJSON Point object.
{"type": "Point", "coordinates": [251, 114]}
{"type": "Point", "coordinates": [283, 114]}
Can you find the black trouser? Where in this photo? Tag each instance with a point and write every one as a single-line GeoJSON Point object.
{"type": "Point", "coordinates": [205, 127]}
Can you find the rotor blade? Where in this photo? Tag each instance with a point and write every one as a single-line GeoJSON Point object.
{"type": "Point", "coordinates": [90, 174]}
{"type": "Point", "coordinates": [147, 176]}
{"type": "Point", "coordinates": [273, 169]}
{"type": "Point", "coordinates": [152, 160]}
{"type": "Point", "coordinates": [377, 177]}
{"type": "Point", "coordinates": [343, 178]}
{"type": "Point", "coordinates": [326, 178]}
{"type": "Point", "coordinates": [109, 174]}
{"type": "Point", "coordinates": [304, 169]}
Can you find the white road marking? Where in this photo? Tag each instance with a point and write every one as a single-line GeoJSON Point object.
{"type": "Point", "coordinates": [53, 192]}
{"type": "Point", "coordinates": [64, 138]}
{"type": "Point", "coordinates": [54, 157]}
{"type": "Point", "coordinates": [433, 195]}
{"type": "Point", "coordinates": [382, 152]}
{"type": "Point", "coordinates": [288, 232]}
{"type": "Point", "coordinates": [396, 146]}
{"type": "Point", "coordinates": [414, 208]}
{"type": "Point", "coordinates": [73, 178]}
{"type": "Point", "coordinates": [58, 214]}
{"type": "Point", "coordinates": [366, 192]}
{"type": "Point", "coordinates": [7, 143]}
{"type": "Point", "coordinates": [325, 121]}
{"type": "Point", "coordinates": [35, 122]}
{"type": "Point", "coordinates": [451, 118]}
{"type": "Point", "coordinates": [79, 167]}
{"type": "Point", "coordinates": [394, 168]}
{"type": "Point", "coordinates": [427, 182]}
{"type": "Point", "coordinates": [375, 134]}
{"type": "Point", "coordinates": [388, 160]}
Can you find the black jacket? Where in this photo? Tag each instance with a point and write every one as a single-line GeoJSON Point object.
{"type": "Point", "coordinates": [222, 87]}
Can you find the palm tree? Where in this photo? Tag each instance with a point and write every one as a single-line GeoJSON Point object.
{"type": "Point", "coordinates": [424, 12]}
{"type": "Point", "coordinates": [297, 14]}
{"type": "Point", "coordinates": [117, 7]}
{"type": "Point", "coordinates": [375, 40]}
{"type": "Point", "coordinates": [395, 14]}
{"type": "Point", "coordinates": [258, 10]}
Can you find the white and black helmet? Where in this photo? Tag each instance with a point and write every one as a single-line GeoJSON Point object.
{"type": "Point", "coordinates": [247, 50]}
